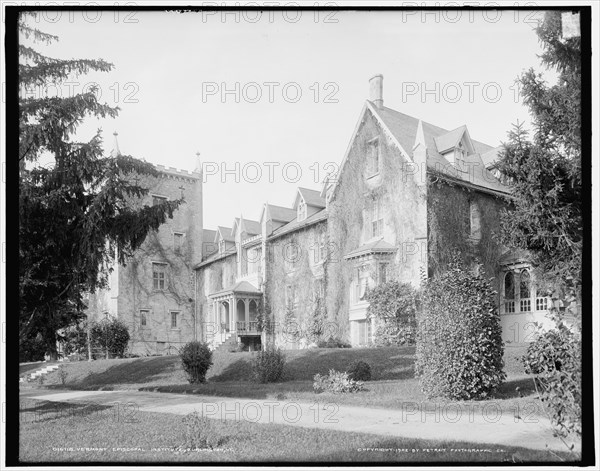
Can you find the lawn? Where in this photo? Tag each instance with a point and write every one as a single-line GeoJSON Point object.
{"type": "Point", "coordinates": [84, 435]}
{"type": "Point", "coordinates": [393, 384]}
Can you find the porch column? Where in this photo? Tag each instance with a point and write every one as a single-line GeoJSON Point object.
{"type": "Point", "coordinates": [232, 314]}
{"type": "Point", "coordinates": [247, 306]}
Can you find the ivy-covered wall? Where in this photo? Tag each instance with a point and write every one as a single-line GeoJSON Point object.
{"type": "Point", "coordinates": [403, 204]}
{"type": "Point", "coordinates": [293, 261]}
{"type": "Point", "coordinates": [131, 286]}
{"type": "Point", "coordinates": [449, 227]}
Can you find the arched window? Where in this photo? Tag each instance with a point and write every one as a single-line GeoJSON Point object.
{"type": "Point", "coordinates": [525, 291]}
{"type": "Point", "coordinates": [509, 292]}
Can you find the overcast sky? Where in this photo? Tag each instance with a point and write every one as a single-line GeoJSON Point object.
{"type": "Point", "coordinates": [297, 85]}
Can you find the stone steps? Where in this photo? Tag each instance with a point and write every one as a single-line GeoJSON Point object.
{"type": "Point", "coordinates": [37, 373]}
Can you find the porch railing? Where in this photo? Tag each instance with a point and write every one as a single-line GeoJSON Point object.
{"type": "Point", "coordinates": [251, 327]}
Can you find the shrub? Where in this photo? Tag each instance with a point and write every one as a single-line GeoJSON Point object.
{"type": "Point", "coordinates": [394, 306]}
{"type": "Point", "coordinates": [360, 371]}
{"type": "Point", "coordinates": [196, 359]}
{"type": "Point", "coordinates": [268, 365]}
{"type": "Point", "coordinates": [336, 382]}
{"type": "Point", "coordinates": [459, 343]}
{"type": "Point", "coordinates": [332, 343]}
{"type": "Point", "coordinates": [554, 357]}
{"type": "Point", "coordinates": [201, 432]}
{"type": "Point", "coordinates": [63, 374]}
{"type": "Point", "coordinates": [393, 334]}
{"type": "Point", "coordinates": [110, 335]}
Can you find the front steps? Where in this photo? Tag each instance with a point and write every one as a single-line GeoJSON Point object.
{"type": "Point", "coordinates": [37, 373]}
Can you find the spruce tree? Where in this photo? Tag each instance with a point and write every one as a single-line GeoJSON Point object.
{"type": "Point", "coordinates": [75, 214]}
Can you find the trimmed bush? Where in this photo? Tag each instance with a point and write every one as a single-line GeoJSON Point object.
{"type": "Point", "coordinates": [336, 382]}
{"type": "Point", "coordinates": [360, 371]}
{"type": "Point", "coordinates": [112, 336]}
{"type": "Point", "coordinates": [459, 343]}
{"type": "Point", "coordinates": [196, 359]}
{"type": "Point", "coordinates": [554, 357]}
{"type": "Point", "coordinates": [268, 365]}
{"type": "Point", "coordinates": [393, 305]}
{"type": "Point", "coordinates": [332, 343]}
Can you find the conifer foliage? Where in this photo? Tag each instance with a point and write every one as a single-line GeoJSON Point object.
{"type": "Point", "coordinates": [75, 214]}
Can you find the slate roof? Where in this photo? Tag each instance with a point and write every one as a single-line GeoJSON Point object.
{"type": "Point", "coordinates": [226, 233]}
{"type": "Point", "coordinates": [252, 227]}
{"type": "Point", "coordinates": [490, 157]}
{"type": "Point", "coordinates": [295, 224]}
{"type": "Point", "coordinates": [311, 197]}
{"type": "Point", "coordinates": [449, 140]}
{"type": "Point", "coordinates": [208, 242]}
{"type": "Point", "coordinates": [404, 129]}
{"type": "Point", "coordinates": [376, 246]}
{"type": "Point", "coordinates": [281, 214]}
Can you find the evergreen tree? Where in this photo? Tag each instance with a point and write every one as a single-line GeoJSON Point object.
{"type": "Point", "coordinates": [545, 170]}
{"type": "Point", "coordinates": [75, 214]}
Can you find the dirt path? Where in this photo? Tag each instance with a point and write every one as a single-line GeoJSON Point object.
{"type": "Point", "coordinates": [448, 423]}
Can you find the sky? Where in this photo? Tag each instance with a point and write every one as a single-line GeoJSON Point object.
{"type": "Point", "coordinates": [282, 94]}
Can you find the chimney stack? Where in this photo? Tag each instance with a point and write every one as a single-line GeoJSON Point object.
{"type": "Point", "coordinates": [376, 90]}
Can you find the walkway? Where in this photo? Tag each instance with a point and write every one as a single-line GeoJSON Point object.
{"type": "Point", "coordinates": [448, 423]}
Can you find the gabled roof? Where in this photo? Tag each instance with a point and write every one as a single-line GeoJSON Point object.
{"type": "Point", "coordinates": [404, 129]}
{"type": "Point", "coordinates": [310, 197]}
{"type": "Point", "coordinates": [224, 233]}
{"type": "Point", "coordinates": [449, 140]}
{"type": "Point", "coordinates": [296, 225]}
{"type": "Point", "coordinates": [490, 158]}
{"type": "Point", "coordinates": [208, 242]}
{"type": "Point", "coordinates": [278, 213]}
{"type": "Point", "coordinates": [251, 227]}
{"type": "Point", "coordinates": [373, 247]}
{"type": "Point", "coordinates": [239, 287]}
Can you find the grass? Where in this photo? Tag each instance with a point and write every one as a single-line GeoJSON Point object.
{"type": "Point", "coordinates": [393, 383]}
{"type": "Point", "coordinates": [64, 434]}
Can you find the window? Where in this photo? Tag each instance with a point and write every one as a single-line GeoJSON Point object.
{"type": "Point", "coordinates": [475, 220]}
{"type": "Point", "coordinates": [221, 246]}
{"type": "Point", "coordinates": [301, 210]}
{"type": "Point", "coordinates": [509, 292]}
{"type": "Point", "coordinates": [373, 160]}
{"type": "Point", "coordinates": [156, 200]}
{"type": "Point", "coordinates": [360, 285]}
{"type": "Point", "coordinates": [525, 292]}
{"type": "Point", "coordinates": [174, 320]}
{"type": "Point", "coordinates": [459, 155]}
{"type": "Point", "coordinates": [376, 219]}
{"type": "Point", "coordinates": [144, 317]}
{"type": "Point", "coordinates": [320, 252]}
{"type": "Point", "coordinates": [159, 275]}
{"type": "Point", "coordinates": [364, 332]}
{"type": "Point", "coordinates": [541, 304]}
{"type": "Point", "coordinates": [177, 242]}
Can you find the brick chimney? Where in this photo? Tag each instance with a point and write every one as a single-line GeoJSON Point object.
{"type": "Point", "coordinates": [376, 90]}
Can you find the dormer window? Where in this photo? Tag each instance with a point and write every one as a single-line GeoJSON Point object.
{"type": "Point", "coordinates": [301, 210]}
{"type": "Point", "coordinates": [221, 246]}
{"type": "Point", "coordinates": [373, 157]}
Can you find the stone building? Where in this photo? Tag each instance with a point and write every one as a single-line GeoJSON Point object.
{"type": "Point", "coordinates": [408, 195]}
{"type": "Point", "coordinates": [153, 294]}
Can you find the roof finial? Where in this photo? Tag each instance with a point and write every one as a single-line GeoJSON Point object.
{"type": "Point", "coordinates": [420, 137]}
{"type": "Point", "coordinates": [115, 151]}
{"type": "Point", "coordinates": [198, 162]}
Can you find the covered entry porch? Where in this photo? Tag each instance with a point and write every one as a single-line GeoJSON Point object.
{"type": "Point", "coordinates": [235, 311]}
